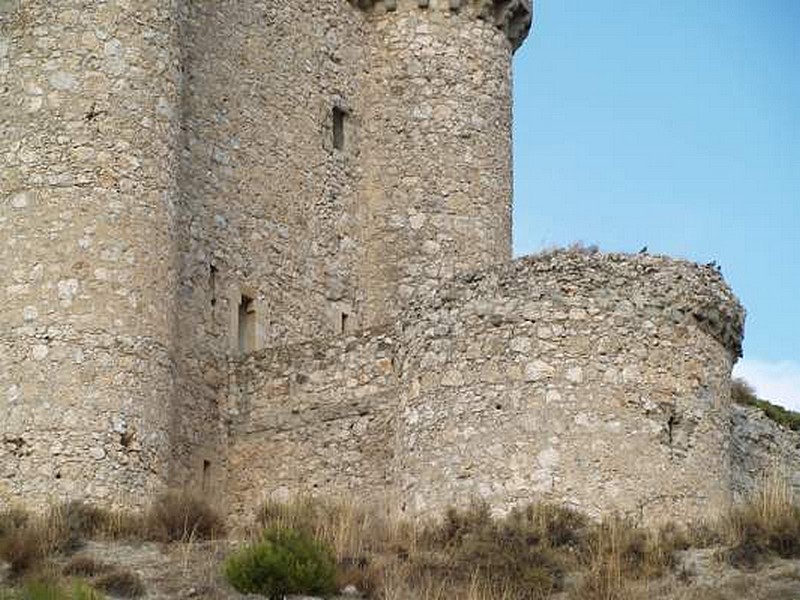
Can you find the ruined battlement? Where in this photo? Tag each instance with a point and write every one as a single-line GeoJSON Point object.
{"type": "Point", "coordinates": [669, 290]}
{"type": "Point", "coordinates": [513, 17]}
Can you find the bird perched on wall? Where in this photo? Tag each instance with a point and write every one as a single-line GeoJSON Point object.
{"type": "Point", "coordinates": [643, 250]}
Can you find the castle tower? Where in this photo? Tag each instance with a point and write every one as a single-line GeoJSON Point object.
{"type": "Point", "coordinates": [88, 128]}
{"type": "Point", "coordinates": [436, 143]}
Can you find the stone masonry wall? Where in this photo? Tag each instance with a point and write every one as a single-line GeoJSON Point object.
{"type": "Point", "coordinates": [597, 380]}
{"type": "Point", "coordinates": [436, 149]}
{"type": "Point", "coordinates": [762, 450]}
{"type": "Point", "coordinates": [313, 418]}
{"type": "Point", "coordinates": [267, 206]}
{"type": "Point", "coordinates": [541, 379]}
{"type": "Point", "coordinates": [88, 128]}
{"type": "Point", "coordinates": [172, 170]}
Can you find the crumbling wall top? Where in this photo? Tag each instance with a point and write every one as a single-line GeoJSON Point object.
{"type": "Point", "coordinates": [671, 290]}
{"type": "Point", "coordinates": [513, 17]}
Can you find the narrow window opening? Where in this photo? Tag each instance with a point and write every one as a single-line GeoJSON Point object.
{"type": "Point", "coordinates": [344, 327]}
{"type": "Point", "coordinates": [206, 474]}
{"type": "Point", "coordinates": [671, 423]}
{"type": "Point", "coordinates": [212, 284]}
{"type": "Point", "coordinates": [339, 116]}
{"type": "Point", "coordinates": [247, 324]}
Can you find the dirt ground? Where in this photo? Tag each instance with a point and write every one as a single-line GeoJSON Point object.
{"type": "Point", "coordinates": [193, 570]}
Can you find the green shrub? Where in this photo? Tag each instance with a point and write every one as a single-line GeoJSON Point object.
{"type": "Point", "coordinates": [52, 590]}
{"type": "Point", "coordinates": [283, 562]}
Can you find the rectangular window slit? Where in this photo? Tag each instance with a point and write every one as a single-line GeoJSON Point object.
{"type": "Point", "coordinates": [344, 324]}
{"type": "Point", "coordinates": [339, 116]}
{"type": "Point", "coordinates": [212, 283]}
{"type": "Point", "coordinates": [247, 324]}
{"type": "Point", "coordinates": [206, 474]}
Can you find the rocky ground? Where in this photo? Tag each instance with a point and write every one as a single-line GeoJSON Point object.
{"type": "Point", "coordinates": [192, 570]}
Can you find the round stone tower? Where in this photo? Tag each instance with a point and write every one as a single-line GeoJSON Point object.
{"type": "Point", "coordinates": [436, 143]}
{"type": "Point", "coordinates": [89, 95]}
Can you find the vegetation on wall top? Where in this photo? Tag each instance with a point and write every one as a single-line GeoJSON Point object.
{"type": "Point", "coordinates": [743, 393]}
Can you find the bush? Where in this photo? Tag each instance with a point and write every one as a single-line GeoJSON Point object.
{"type": "Point", "coordinates": [759, 534]}
{"type": "Point", "coordinates": [52, 590]}
{"type": "Point", "coordinates": [743, 393]}
{"type": "Point", "coordinates": [283, 562]}
{"type": "Point", "coordinates": [23, 548]}
{"type": "Point", "coordinates": [84, 566]}
{"type": "Point", "coordinates": [121, 583]}
{"type": "Point", "coordinates": [618, 552]}
{"type": "Point", "coordinates": [11, 520]}
{"type": "Point", "coordinates": [178, 516]}
{"type": "Point", "coordinates": [515, 557]}
{"type": "Point", "coordinates": [67, 526]}
{"type": "Point", "coordinates": [25, 541]}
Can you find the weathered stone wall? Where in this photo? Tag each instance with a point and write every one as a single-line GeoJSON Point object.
{"type": "Point", "coordinates": [267, 203]}
{"type": "Point", "coordinates": [598, 380]}
{"type": "Point", "coordinates": [436, 147]}
{"type": "Point", "coordinates": [313, 418]}
{"type": "Point", "coordinates": [601, 381]}
{"type": "Point", "coordinates": [164, 160]}
{"type": "Point", "coordinates": [88, 134]}
{"type": "Point", "coordinates": [267, 199]}
{"type": "Point", "coordinates": [762, 450]}
{"type": "Point", "coordinates": [275, 206]}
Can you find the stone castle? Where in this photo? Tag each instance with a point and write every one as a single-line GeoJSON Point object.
{"type": "Point", "coordinates": [262, 247]}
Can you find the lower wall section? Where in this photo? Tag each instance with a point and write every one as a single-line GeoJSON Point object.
{"type": "Point", "coordinates": [601, 381]}
{"type": "Point", "coordinates": [314, 418]}
{"type": "Point", "coordinates": [86, 416]}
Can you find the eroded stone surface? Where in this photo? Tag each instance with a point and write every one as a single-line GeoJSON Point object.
{"type": "Point", "coordinates": [258, 247]}
{"type": "Point", "coordinates": [588, 379]}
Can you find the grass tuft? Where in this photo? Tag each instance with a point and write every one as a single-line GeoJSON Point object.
{"type": "Point", "coordinates": [179, 516]}
{"type": "Point", "coordinates": [767, 526]}
{"type": "Point", "coordinates": [120, 583]}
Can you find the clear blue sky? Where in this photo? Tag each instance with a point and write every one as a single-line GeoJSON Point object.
{"type": "Point", "coordinates": [672, 124]}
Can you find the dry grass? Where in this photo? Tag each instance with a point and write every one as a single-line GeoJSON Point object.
{"type": "Point", "coordinates": [533, 553]}
{"type": "Point", "coordinates": [27, 540]}
{"type": "Point", "coordinates": [767, 526]}
{"type": "Point", "coordinates": [121, 583]}
{"type": "Point", "coordinates": [352, 530]}
{"type": "Point", "coordinates": [181, 517]}
{"type": "Point", "coordinates": [468, 554]}
{"type": "Point", "coordinates": [365, 541]}
{"type": "Point", "coordinates": [619, 554]}
{"type": "Point", "coordinates": [84, 566]}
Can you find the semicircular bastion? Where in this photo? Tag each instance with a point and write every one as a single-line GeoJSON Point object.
{"type": "Point", "coordinates": [599, 380]}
